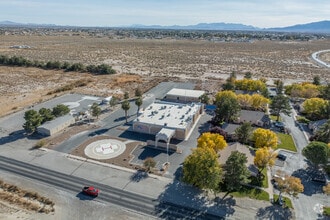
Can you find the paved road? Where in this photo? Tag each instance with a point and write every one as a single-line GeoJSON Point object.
{"type": "Point", "coordinates": [129, 200]}
{"type": "Point", "coordinates": [296, 165]}
{"type": "Point", "coordinates": [315, 56]}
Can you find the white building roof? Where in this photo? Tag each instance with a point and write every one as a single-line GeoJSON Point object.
{"type": "Point", "coordinates": [172, 115]}
{"type": "Point", "coordinates": [186, 92]}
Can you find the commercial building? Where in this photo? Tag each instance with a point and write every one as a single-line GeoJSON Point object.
{"type": "Point", "coordinates": [168, 119]}
{"type": "Point", "coordinates": [50, 128]}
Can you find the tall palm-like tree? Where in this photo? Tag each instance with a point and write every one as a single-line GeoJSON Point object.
{"type": "Point", "coordinates": [125, 106]}
{"type": "Point", "coordinates": [138, 103]}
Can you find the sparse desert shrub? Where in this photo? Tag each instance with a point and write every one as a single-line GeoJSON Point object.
{"type": "Point", "coordinates": [40, 143]}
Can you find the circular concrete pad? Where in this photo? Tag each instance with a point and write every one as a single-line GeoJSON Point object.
{"type": "Point", "coordinates": [105, 149]}
{"type": "Point", "coordinates": [71, 105]}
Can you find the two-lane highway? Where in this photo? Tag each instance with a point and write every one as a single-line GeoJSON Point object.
{"type": "Point", "coordinates": [128, 200]}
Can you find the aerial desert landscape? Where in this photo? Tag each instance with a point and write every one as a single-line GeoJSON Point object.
{"type": "Point", "coordinates": [145, 62]}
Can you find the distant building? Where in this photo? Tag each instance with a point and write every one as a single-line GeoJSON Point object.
{"type": "Point", "coordinates": [183, 95]}
{"type": "Point", "coordinates": [50, 128]}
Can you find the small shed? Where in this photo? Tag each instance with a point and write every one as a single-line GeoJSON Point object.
{"type": "Point", "coordinates": [50, 128]}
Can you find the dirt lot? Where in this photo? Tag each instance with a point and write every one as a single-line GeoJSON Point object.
{"type": "Point", "coordinates": [143, 63]}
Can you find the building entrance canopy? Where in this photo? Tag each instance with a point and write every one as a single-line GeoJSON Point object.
{"type": "Point", "coordinates": [165, 134]}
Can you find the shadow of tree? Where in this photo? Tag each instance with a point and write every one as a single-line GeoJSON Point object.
{"type": "Point", "coordinates": [305, 175]}
{"type": "Point", "coordinates": [17, 135]}
{"type": "Point", "coordinates": [181, 201]}
{"type": "Point", "coordinates": [274, 212]}
{"type": "Point", "coordinates": [138, 176]}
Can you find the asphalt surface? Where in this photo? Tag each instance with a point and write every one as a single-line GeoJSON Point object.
{"type": "Point", "coordinates": [129, 200]}
{"type": "Point", "coordinates": [297, 165]}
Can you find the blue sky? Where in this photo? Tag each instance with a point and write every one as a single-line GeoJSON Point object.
{"type": "Point", "coordinates": [259, 13]}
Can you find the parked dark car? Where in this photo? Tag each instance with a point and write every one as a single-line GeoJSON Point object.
{"type": "Point", "coordinates": [279, 124]}
{"type": "Point", "coordinates": [319, 179]}
{"type": "Point", "coordinates": [281, 157]}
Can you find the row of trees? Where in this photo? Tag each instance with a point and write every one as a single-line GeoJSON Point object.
{"type": "Point", "coordinates": [34, 119]}
{"type": "Point", "coordinates": [228, 105]}
{"type": "Point", "coordinates": [125, 105]}
{"type": "Point", "coordinates": [309, 90]}
{"type": "Point", "coordinates": [77, 67]}
{"type": "Point", "coordinates": [202, 168]}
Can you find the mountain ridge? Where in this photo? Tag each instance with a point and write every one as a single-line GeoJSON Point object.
{"type": "Point", "coordinates": [313, 27]}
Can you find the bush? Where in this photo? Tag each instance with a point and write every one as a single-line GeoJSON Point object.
{"type": "Point", "coordinates": [326, 211]}
{"type": "Point", "coordinates": [302, 119]}
{"type": "Point", "coordinates": [40, 143]}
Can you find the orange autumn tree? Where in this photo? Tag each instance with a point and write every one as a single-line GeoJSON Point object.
{"type": "Point", "coordinates": [291, 185]}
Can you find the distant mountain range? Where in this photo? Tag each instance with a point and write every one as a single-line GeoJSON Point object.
{"type": "Point", "coordinates": [315, 27]}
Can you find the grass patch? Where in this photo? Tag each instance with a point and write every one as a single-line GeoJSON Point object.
{"type": "Point", "coordinates": [261, 183]}
{"type": "Point", "coordinates": [252, 193]}
{"type": "Point", "coordinates": [326, 210]}
{"type": "Point", "coordinates": [286, 142]}
{"type": "Point", "coordinates": [274, 118]}
{"type": "Point", "coordinates": [287, 201]}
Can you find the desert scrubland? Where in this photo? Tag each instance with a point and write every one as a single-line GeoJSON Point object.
{"type": "Point", "coordinates": [145, 62]}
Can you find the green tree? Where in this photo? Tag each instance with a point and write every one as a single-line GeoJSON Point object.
{"type": "Point", "coordinates": [32, 120]}
{"type": "Point", "coordinates": [126, 95]}
{"type": "Point", "coordinates": [138, 103]}
{"type": "Point", "coordinates": [96, 110]}
{"type": "Point", "coordinates": [202, 169]}
{"type": "Point", "coordinates": [280, 104]}
{"type": "Point", "coordinates": [325, 92]}
{"type": "Point", "coordinates": [317, 80]}
{"type": "Point", "coordinates": [323, 133]}
{"type": "Point", "coordinates": [149, 163]}
{"type": "Point", "coordinates": [244, 132]}
{"type": "Point", "coordinates": [60, 110]}
{"type": "Point", "coordinates": [46, 114]}
{"type": "Point", "coordinates": [316, 152]}
{"type": "Point", "coordinates": [227, 107]}
{"type": "Point", "coordinates": [279, 86]}
{"type": "Point", "coordinates": [125, 105]}
{"type": "Point", "coordinates": [236, 172]}
{"type": "Point", "coordinates": [248, 75]}
{"type": "Point", "coordinates": [138, 92]}
{"type": "Point", "coordinates": [230, 82]}
{"type": "Point", "coordinates": [113, 101]}
{"type": "Point", "coordinates": [205, 99]}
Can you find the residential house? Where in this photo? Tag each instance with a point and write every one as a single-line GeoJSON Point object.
{"type": "Point", "coordinates": [225, 153]}
{"type": "Point", "coordinates": [257, 118]}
